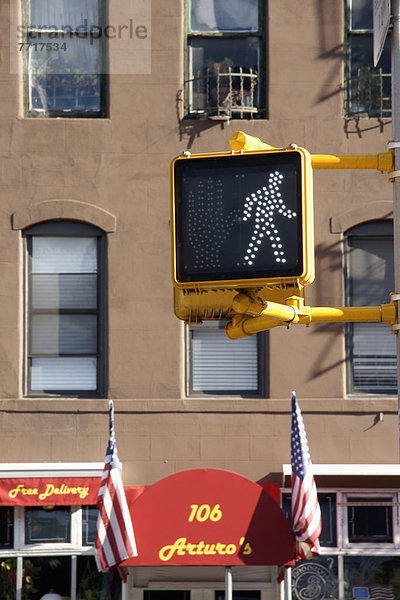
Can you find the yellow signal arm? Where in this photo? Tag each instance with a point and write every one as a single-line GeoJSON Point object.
{"type": "Point", "coordinates": [384, 161]}
{"type": "Point", "coordinates": [254, 315]}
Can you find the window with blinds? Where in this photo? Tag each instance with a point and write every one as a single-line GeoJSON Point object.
{"type": "Point", "coordinates": [371, 349]}
{"type": "Point", "coordinates": [64, 309]}
{"type": "Point", "coordinates": [217, 365]}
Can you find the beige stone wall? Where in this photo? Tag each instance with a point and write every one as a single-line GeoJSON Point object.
{"type": "Point", "coordinates": [121, 166]}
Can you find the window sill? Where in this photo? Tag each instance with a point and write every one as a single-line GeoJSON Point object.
{"type": "Point", "coordinates": [200, 405]}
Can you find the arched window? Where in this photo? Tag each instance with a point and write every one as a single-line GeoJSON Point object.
{"type": "Point", "coordinates": [65, 309]}
{"type": "Point", "coordinates": [370, 347]}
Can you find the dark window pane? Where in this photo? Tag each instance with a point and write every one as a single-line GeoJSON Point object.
{"type": "Point", "coordinates": [89, 523]}
{"type": "Point", "coordinates": [6, 527]}
{"type": "Point", "coordinates": [215, 59]}
{"type": "Point", "coordinates": [166, 594]}
{"type": "Point", "coordinates": [218, 55]}
{"type": "Point", "coordinates": [94, 585]}
{"type": "Point", "coordinates": [361, 14]}
{"type": "Point", "coordinates": [68, 93]}
{"type": "Point", "coordinates": [361, 54]}
{"type": "Point", "coordinates": [327, 503]}
{"type": "Point", "coordinates": [370, 523]}
{"type": "Point", "coordinates": [224, 74]}
{"type": "Point", "coordinates": [368, 87]}
{"type": "Point", "coordinates": [47, 525]}
{"type": "Point", "coordinates": [45, 574]}
{"type": "Point", "coordinates": [8, 577]}
{"type": "Point", "coordinates": [372, 269]}
{"type": "Point", "coordinates": [239, 595]}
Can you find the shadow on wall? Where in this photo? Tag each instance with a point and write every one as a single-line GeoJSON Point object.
{"type": "Point", "coordinates": [329, 257]}
{"type": "Point", "coordinates": [192, 128]}
{"type": "Point", "coordinates": [330, 50]}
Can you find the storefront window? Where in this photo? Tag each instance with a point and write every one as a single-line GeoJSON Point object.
{"type": "Point", "coordinates": [371, 577]}
{"type": "Point", "coordinates": [47, 524]}
{"type": "Point", "coordinates": [57, 574]}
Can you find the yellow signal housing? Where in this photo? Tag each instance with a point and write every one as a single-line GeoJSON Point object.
{"type": "Point", "coordinates": [241, 221]}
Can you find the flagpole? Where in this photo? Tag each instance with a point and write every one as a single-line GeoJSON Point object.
{"type": "Point", "coordinates": [115, 538]}
{"type": "Point", "coordinates": [124, 591]}
{"type": "Point", "coordinates": [288, 583]}
{"type": "Point", "coordinates": [228, 583]}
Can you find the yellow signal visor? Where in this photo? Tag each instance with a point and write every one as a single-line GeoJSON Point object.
{"type": "Point", "coordinates": [242, 220]}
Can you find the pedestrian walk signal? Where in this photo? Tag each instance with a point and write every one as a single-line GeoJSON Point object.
{"type": "Point", "coordinates": [242, 220]}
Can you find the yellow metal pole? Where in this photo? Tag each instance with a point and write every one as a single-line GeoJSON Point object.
{"type": "Point", "coordinates": [244, 325]}
{"type": "Point", "coordinates": [242, 142]}
{"type": "Point", "coordinates": [380, 162]}
{"type": "Point", "coordinates": [353, 314]}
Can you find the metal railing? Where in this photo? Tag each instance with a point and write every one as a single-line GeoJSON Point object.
{"type": "Point", "coordinates": [220, 95]}
{"type": "Point", "coordinates": [369, 95]}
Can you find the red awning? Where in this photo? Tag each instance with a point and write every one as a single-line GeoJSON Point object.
{"type": "Point", "coordinates": [209, 517]}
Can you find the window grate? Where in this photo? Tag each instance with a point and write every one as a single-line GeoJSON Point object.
{"type": "Point", "coordinates": [221, 94]}
{"type": "Point", "coordinates": [369, 94]}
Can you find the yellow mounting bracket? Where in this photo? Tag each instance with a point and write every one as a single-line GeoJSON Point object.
{"type": "Point", "coordinates": [254, 315]}
{"type": "Point", "coordinates": [384, 161]}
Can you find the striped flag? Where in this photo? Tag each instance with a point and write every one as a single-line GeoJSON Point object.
{"type": "Point", "coordinates": [115, 540]}
{"type": "Point", "coordinates": [306, 513]}
{"type": "Point", "coordinates": [380, 591]}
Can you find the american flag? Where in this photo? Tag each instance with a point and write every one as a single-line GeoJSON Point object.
{"type": "Point", "coordinates": [115, 540]}
{"type": "Point", "coordinates": [381, 592]}
{"type": "Point", "coordinates": [306, 513]}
